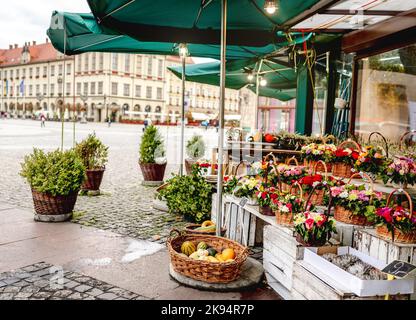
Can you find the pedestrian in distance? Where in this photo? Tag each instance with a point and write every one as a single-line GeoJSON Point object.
{"type": "Point", "coordinates": [42, 120]}
{"type": "Point", "coordinates": [109, 121]}
{"type": "Point", "coordinates": [146, 124]}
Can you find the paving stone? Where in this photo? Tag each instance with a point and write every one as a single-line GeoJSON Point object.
{"type": "Point", "coordinates": [82, 288]}
{"type": "Point", "coordinates": [11, 289]}
{"type": "Point", "coordinates": [94, 292]}
{"type": "Point", "coordinates": [6, 296]}
{"type": "Point", "coordinates": [2, 284]}
{"type": "Point", "coordinates": [107, 296]}
{"type": "Point", "coordinates": [71, 284]}
{"type": "Point", "coordinates": [62, 294]}
{"type": "Point", "coordinates": [23, 295]}
{"type": "Point", "coordinates": [77, 296]}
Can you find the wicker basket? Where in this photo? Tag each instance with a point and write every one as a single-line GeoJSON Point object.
{"type": "Point", "coordinates": [153, 171]}
{"type": "Point", "coordinates": [94, 178]}
{"type": "Point", "coordinates": [188, 165]}
{"type": "Point", "coordinates": [397, 235]}
{"type": "Point", "coordinates": [344, 215]}
{"type": "Point", "coordinates": [211, 272]}
{"type": "Point", "coordinates": [344, 170]}
{"type": "Point", "coordinates": [190, 228]}
{"type": "Point", "coordinates": [319, 167]}
{"type": "Point", "coordinates": [46, 204]}
{"type": "Point", "coordinates": [266, 211]}
{"type": "Point", "coordinates": [317, 197]}
{"type": "Point", "coordinates": [286, 219]}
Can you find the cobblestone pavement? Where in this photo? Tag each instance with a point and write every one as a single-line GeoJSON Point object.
{"type": "Point", "coordinates": [42, 281]}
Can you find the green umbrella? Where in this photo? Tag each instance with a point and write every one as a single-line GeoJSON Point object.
{"type": "Point", "coordinates": [193, 21]}
{"type": "Point", "coordinates": [84, 34]}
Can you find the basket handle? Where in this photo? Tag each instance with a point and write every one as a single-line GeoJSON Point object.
{"type": "Point", "coordinates": [362, 175]}
{"type": "Point", "coordinates": [408, 198]}
{"type": "Point", "coordinates": [177, 232]}
{"type": "Point", "coordinates": [386, 145]}
{"type": "Point", "coordinates": [297, 184]}
{"type": "Point", "coordinates": [238, 166]}
{"type": "Point", "coordinates": [270, 155]}
{"type": "Point", "coordinates": [351, 142]}
{"type": "Point", "coordinates": [290, 160]}
{"type": "Point", "coordinates": [313, 190]}
{"type": "Point", "coordinates": [325, 167]}
{"type": "Point", "coordinates": [411, 133]}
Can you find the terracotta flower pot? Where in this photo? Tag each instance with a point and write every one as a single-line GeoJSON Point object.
{"type": "Point", "coordinates": [153, 171]}
{"type": "Point", "coordinates": [50, 208]}
{"type": "Point", "coordinates": [93, 181]}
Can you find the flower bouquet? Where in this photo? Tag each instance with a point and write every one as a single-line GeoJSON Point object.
{"type": "Point", "coordinates": [401, 170]}
{"type": "Point", "coordinates": [287, 205]}
{"type": "Point", "coordinates": [356, 204]}
{"type": "Point", "coordinates": [266, 196]}
{"type": "Point", "coordinates": [229, 184]}
{"type": "Point", "coordinates": [397, 223]}
{"type": "Point", "coordinates": [344, 159]}
{"type": "Point", "coordinates": [287, 175]}
{"type": "Point", "coordinates": [312, 153]}
{"type": "Point", "coordinates": [370, 160]}
{"type": "Point", "coordinates": [314, 228]}
{"type": "Point", "coordinates": [246, 188]}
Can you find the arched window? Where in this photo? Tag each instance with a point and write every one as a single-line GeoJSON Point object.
{"type": "Point", "coordinates": [148, 108]}
{"type": "Point", "coordinates": [158, 109]}
{"type": "Point", "coordinates": [137, 108]}
{"type": "Point", "coordinates": [45, 106]}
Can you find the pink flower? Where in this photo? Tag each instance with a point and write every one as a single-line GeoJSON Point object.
{"type": "Point", "coordinates": [309, 223]}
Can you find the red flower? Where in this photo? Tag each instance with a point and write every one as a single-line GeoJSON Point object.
{"type": "Point", "coordinates": [341, 153]}
{"type": "Point", "coordinates": [273, 196]}
{"type": "Point", "coordinates": [226, 178]}
{"type": "Point", "coordinates": [264, 195]}
{"type": "Point", "coordinates": [321, 223]}
{"type": "Point", "coordinates": [355, 155]}
{"type": "Point", "coordinates": [309, 223]}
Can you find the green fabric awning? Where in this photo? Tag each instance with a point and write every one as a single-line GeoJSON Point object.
{"type": "Point", "coordinates": [281, 80]}
{"type": "Point", "coordinates": [83, 34]}
{"type": "Point", "coordinates": [196, 21]}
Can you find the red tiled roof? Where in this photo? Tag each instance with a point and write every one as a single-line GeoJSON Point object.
{"type": "Point", "coordinates": [38, 53]}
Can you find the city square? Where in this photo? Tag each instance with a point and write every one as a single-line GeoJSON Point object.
{"type": "Point", "coordinates": [218, 150]}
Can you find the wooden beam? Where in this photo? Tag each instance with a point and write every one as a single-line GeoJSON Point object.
{"type": "Point", "coordinates": [316, 8]}
{"type": "Point", "coordinates": [342, 12]}
{"type": "Point", "coordinates": [375, 35]}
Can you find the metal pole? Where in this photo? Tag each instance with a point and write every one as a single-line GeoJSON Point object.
{"type": "Point", "coordinates": [63, 94]}
{"type": "Point", "coordinates": [183, 117]}
{"type": "Point", "coordinates": [74, 101]}
{"type": "Point", "coordinates": [257, 94]}
{"type": "Point", "coordinates": [221, 115]}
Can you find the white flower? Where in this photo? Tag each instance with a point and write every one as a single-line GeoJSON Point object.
{"type": "Point", "coordinates": [315, 183]}
{"type": "Point", "coordinates": [344, 194]}
{"type": "Point", "coordinates": [284, 209]}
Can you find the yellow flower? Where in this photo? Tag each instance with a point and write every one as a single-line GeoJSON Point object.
{"type": "Point", "coordinates": [358, 163]}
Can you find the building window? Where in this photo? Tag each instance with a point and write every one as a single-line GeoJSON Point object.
{"type": "Point", "coordinates": [126, 90]}
{"type": "Point", "coordinates": [150, 67]}
{"type": "Point", "coordinates": [68, 88]}
{"type": "Point", "coordinates": [160, 69]}
{"type": "Point", "coordinates": [11, 74]}
{"type": "Point", "coordinates": [139, 65]}
{"type": "Point", "coordinates": [79, 85]}
{"type": "Point", "coordinates": [148, 108]}
{"type": "Point", "coordinates": [68, 69]}
{"type": "Point", "coordinates": [92, 88]}
{"type": "Point", "coordinates": [30, 73]}
{"type": "Point", "coordinates": [127, 63]}
{"type": "Point", "coordinates": [52, 71]}
{"type": "Point", "coordinates": [100, 87]}
{"type": "Point", "coordinates": [101, 61]}
{"type": "Point", "coordinates": [38, 72]}
{"type": "Point", "coordinates": [114, 88]}
{"type": "Point", "coordinates": [94, 62]}
{"type": "Point", "coordinates": [17, 74]}
{"type": "Point", "coordinates": [45, 72]}
{"type": "Point", "coordinates": [159, 94]}
{"type": "Point", "coordinates": [79, 64]}
{"type": "Point", "coordinates": [158, 109]}
{"type": "Point", "coordinates": [24, 73]}
{"type": "Point", "coordinates": [149, 92]}
{"type": "Point", "coordinates": [45, 89]}
{"type": "Point", "coordinates": [60, 69]}
{"type": "Point", "coordinates": [86, 63]}
{"type": "Point", "coordinates": [52, 89]}
{"type": "Point", "coordinates": [30, 90]}
{"type": "Point", "coordinates": [37, 89]}
{"type": "Point", "coordinates": [115, 61]}
{"type": "Point", "coordinates": [138, 91]}
{"type": "Point", "coordinates": [85, 91]}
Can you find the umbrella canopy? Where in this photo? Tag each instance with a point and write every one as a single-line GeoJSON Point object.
{"type": "Point", "coordinates": [193, 21]}
{"type": "Point", "coordinates": [78, 33]}
{"type": "Point", "coordinates": [279, 78]}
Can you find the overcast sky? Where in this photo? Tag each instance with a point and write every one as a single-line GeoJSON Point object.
{"type": "Point", "coordinates": [28, 20]}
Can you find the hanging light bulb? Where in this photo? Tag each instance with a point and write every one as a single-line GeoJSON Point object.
{"type": "Point", "coordinates": [250, 76]}
{"type": "Point", "coordinates": [270, 6]}
{"type": "Point", "coordinates": [263, 82]}
{"type": "Point", "coordinates": [183, 50]}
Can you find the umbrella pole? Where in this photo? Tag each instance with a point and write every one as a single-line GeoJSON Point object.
{"type": "Point", "coordinates": [63, 92]}
{"type": "Point", "coordinates": [221, 115]}
{"type": "Point", "coordinates": [183, 116]}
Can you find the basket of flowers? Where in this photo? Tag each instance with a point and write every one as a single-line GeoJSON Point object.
{"type": "Point", "coordinates": [314, 228]}
{"type": "Point", "coordinates": [356, 204]}
{"type": "Point", "coordinates": [287, 175]}
{"type": "Point", "coordinates": [344, 159]}
{"type": "Point", "coordinates": [314, 152]}
{"type": "Point", "coordinates": [265, 196]}
{"type": "Point", "coordinates": [287, 205]}
{"type": "Point", "coordinates": [206, 258]}
{"type": "Point", "coordinates": [400, 170]}
{"type": "Point", "coordinates": [246, 188]}
{"type": "Point", "coordinates": [395, 222]}
{"type": "Point", "coordinates": [371, 161]}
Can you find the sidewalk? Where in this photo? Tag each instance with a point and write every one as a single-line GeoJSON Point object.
{"type": "Point", "coordinates": [97, 264]}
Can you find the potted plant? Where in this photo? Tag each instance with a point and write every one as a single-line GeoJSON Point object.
{"type": "Point", "coordinates": [265, 196]}
{"type": "Point", "coordinates": [229, 184]}
{"type": "Point", "coordinates": [287, 205]}
{"type": "Point", "coordinates": [356, 204]}
{"type": "Point", "coordinates": [190, 196]}
{"type": "Point", "coordinates": [246, 188]}
{"type": "Point", "coordinates": [288, 175]}
{"type": "Point", "coordinates": [152, 157]}
{"type": "Point", "coordinates": [400, 170]}
{"type": "Point", "coordinates": [195, 149]}
{"type": "Point", "coordinates": [396, 223]}
{"type": "Point", "coordinates": [344, 159]}
{"type": "Point", "coordinates": [55, 179]}
{"type": "Point", "coordinates": [94, 155]}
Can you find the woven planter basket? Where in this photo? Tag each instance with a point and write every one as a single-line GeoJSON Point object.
{"type": "Point", "coordinates": [319, 167]}
{"type": "Point", "coordinates": [190, 228]}
{"type": "Point", "coordinates": [46, 204]}
{"type": "Point", "coordinates": [284, 219]}
{"type": "Point", "coordinates": [93, 181]}
{"type": "Point", "coordinates": [341, 170]}
{"type": "Point", "coordinates": [312, 242]}
{"type": "Point", "coordinates": [266, 211]}
{"type": "Point", "coordinates": [211, 272]}
{"type": "Point", "coordinates": [317, 198]}
{"type": "Point", "coordinates": [397, 235]}
{"type": "Point", "coordinates": [343, 215]}
{"type": "Point", "coordinates": [153, 171]}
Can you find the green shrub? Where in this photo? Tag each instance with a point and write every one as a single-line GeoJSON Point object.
{"type": "Point", "coordinates": [151, 146]}
{"type": "Point", "coordinates": [93, 152]}
{"type": "Point", "coordinates": [190, 196]}
{"type": "Point", "coordinates": [55, 173]}
{"type": "Point", "coordinates": [195, 147]}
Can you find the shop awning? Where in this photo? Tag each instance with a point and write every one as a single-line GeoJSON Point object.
{"type": "Point", "coordinates": [200, 116]}
{"type": "Point", "coordinates": [77, 33]}
{"type": "Point", "coordinates": [198, 22]}
{"type": "Point", "coordinates": [232, 117]}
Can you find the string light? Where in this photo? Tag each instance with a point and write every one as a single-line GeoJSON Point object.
{"type": "Point", "coordinates": [183, 50]}
{"type": "Point", "coordinates": [263, 82]}
{"type": "Point", "coordinates": [270, 6]}
{"type": "Point", "coordinates": [250, 76]}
